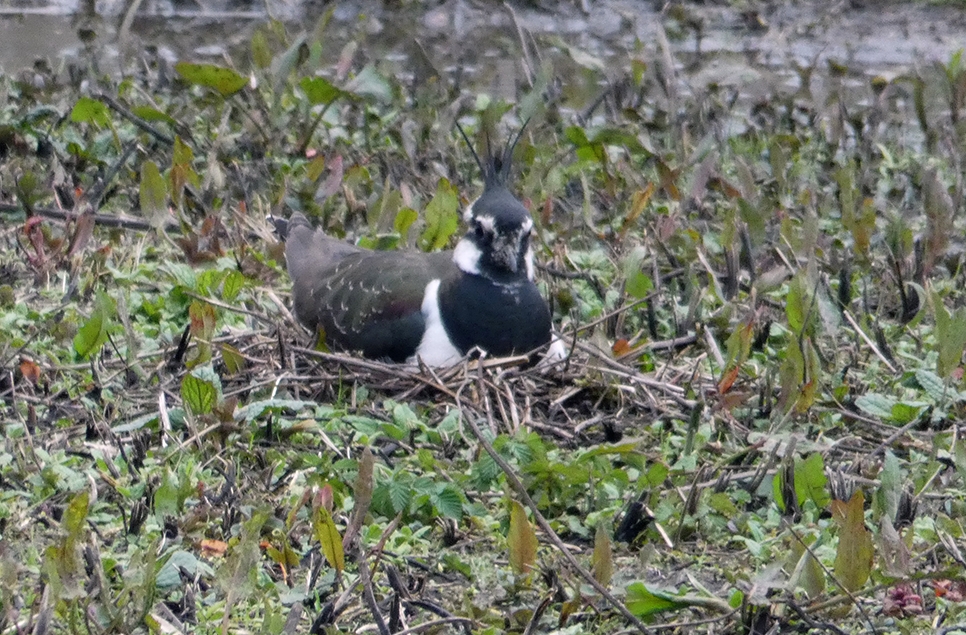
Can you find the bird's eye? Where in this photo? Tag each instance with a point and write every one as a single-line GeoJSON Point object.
{"type": "Point", "coordinates": [478, 230]}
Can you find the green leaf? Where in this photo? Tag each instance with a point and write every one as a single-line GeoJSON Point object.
{"type": "Point", "coordinates": [222, 80]}
{"type": "Point", "coordinates": [404, 220]}
{"type": "Point", "coordinates": [807, 573]}
{"type": "Point", "coordinates": [283, 65]}
{"type": "Point", "coordinates": [88, 110]}
{"type": "Point", "coordinates": [233, 359]}
{"type": "Point", "coordinates": [151, 114]}
{"type": "Point", "coordinates": [876, 405]}
{"type": "Point", "coordinates": [400, 494]}
{"type": "Point", "coordinates": [442, 218]}
{"type": "Point", "coordinates": [370, 83]}
{"type": "Point", "coordinates": [75, 517]}
{"type": "Point", "coordinates": [167, 501]}
{"type": "Point", "coordinates": [811, 482]}
{"type": "Point", "coordinates": [319, 90]}
{"type": "Point", "coordinates": [178, 563]}
{"type": "Point", "coordinates": [200, 395]}
{"type": "Point", "coordinates": [603, 556]}
{"type": "Point", "coordinates": [853, 557]}
{"type": "Point", "coordinates": [637, 283]}
{"type": "Point", "coordinates": [93, 333]}
{"type": "Point", "coordinates": [907, 411]}
{"type": "Point", "coordinates": [261, 55]}
{"type": "Point", "coordinates": [182, 173]}
{"type": "Point", "coordinates": [153, 195]}
{"type": "Point", "coordinates": [521, 540]}
{"type": "Point", "coordinates": [329, 539]}
{"type": "Point", "coordinates": [232, 286]}
{"type": "Point", "coordinates": [449, 502]}
{"type": "Point", "coordinates": [950, 336]}
{"type": "Point", "coordinates": [315, 168]}
{"type": "Point", "coordinates": [890, 487]}
{"type": "Point", "coordinates": [931, 383]}
{"type": "Point", "coordinates": [642, 601]}
{"type": "Point", "coordinates": [656, 474]}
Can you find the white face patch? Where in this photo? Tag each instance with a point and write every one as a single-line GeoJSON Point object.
{"type": "Point", "coordinates": [529, 260]}
{"type": "Point", "coordinates": [487, 223]}
{"type": "Point", "coordinates": [467, 256]}
{"type": "Point", "coordinates": [435, 349]}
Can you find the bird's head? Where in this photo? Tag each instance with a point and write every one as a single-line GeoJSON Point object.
{"type": "Point", "coordinates": [499, 227]}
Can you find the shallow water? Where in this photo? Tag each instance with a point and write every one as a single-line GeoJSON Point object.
{"type": "Point", "coordinates": [752, 53]}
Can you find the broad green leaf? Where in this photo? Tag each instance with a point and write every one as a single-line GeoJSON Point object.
{"type": "Point", "coordinates": [876, 405]}
{"type": "Point", "coordinates": [791, 374]}
{"type": "Point", "coordinates": [283, 65]}
{"type": "Point", "coordinates": [853, 557]}
{"type": "Point", "coordinates": [75, 518]}
{"type": "Point", "coordinates": [642, 601]}
{"type": "Point", "coordinates": [167, 501]}
{"type": "Point", "coordinates": [177, 564]}
{"type": "Point", "coordinates": [233, 359]}
{"type": "Point", "coordinates": [887, 495]}
{"type": "Point", "coordinates": [907, 411]}
{"type": "Point", "coordinates": [521, 540]}
{"type": "Point", "coordinates": [370, 83]}
{"type": "Point", "coordinates": [93, 333]}
{"type": "Point", "coordinates": [931, 383]}
{"type": "Point", "coordinates": [722, 503]}
{"type": "Point", "coordinates": [400, 494]}
{"type": "Point", "coordinates": [261, 54]}
{"type": "Point", "coordinates": [222, 80]}
{"type": "Point", "coordinates": [329, 539]}
{"type": "Point", "coordinates": [807, 572]}
{"type": "Point", "coordinates": [656, 474]}
{"type": "Point", "coordinates": [151, 114]}
{"type": "Point", "coordinates": [442, 218]}
{"type": "Point", "coordinates": [798, 308]}
{"type": "Point", "coordinates": [448, 502]}
{"type": "Point", "coordinates": [182, 173]}
{"type": "Point", "coordinates": [811, 482]}
{"type": "Point", "coordinates": [199, 395]}
{"type": "Point", "coordinates": [319, 90]}
{"type": "Point", "coordinates": [88, 110]}
{"type": "Point", "coordinates": [950, 336]}
{"type": "Point", "coordinates": [404, 220]}
{"type": "Point", "coordinates": [603, 556]}
{"type": "Point", "coordinates": [238, 576]}
{"type": "Point", "coordinates": [959, 458]}
{"type": "Point", "coordinates": [232, 286]}
{"type": "Point", "coordinates": [638, 284]}
{"type": "Point", "coordinates": [153, 195]}
{"type": "Point", "coordinates": [315, 168]}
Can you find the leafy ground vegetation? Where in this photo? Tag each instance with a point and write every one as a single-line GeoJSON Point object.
{"type": "Point", "coordinates": [757, 429]}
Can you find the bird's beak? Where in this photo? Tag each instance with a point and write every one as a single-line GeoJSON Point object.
{"type": "Point", "coordinates": [506, 252]}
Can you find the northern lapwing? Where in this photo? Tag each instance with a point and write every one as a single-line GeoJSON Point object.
{"type": "Point", "coordinates": [439, 306]}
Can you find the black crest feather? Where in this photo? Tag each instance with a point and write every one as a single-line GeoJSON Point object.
{"type": "Point", "coordinates": [496, 168]}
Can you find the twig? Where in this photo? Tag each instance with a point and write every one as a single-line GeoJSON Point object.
{"type": "Point", "coordinates": [869, 342]}
{"type": "Point", "coordinates": [369, 595]}
{"type": "Point", "coordinates": [104, 220]}
{"type": "Point", "coordinates": [137, 121]}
